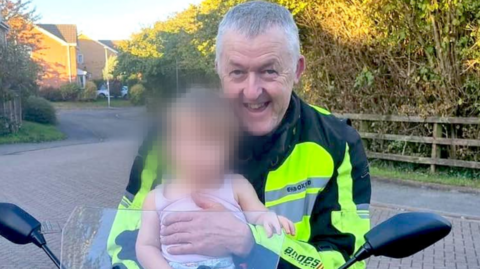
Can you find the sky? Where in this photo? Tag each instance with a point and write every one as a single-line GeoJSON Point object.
{"type": "Point", "coordinates": [108, 19]}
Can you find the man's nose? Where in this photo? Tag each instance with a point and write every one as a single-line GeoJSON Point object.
{"type": "Point", "coordinates": [253, 88]}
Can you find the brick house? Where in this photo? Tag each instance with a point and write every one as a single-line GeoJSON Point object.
{"type": "Point", "coordinates": [57, 53]}
{"type": "Point", "coordinates": [94, 54]}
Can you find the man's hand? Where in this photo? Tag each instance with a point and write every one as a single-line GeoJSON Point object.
{"type": "Point", "coordinates": [214, 232]}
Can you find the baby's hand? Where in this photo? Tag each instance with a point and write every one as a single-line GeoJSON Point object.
{"type": "Point", "coordinates": [274, 224]}
{"type": "Point", "coordinates": [287, 225]}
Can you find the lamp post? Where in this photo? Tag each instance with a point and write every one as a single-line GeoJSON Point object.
{"type": "Point", "coordinates": [107, 74]}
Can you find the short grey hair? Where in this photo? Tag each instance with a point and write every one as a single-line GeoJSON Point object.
{"type": "Point", "coordinates": [255, 18]}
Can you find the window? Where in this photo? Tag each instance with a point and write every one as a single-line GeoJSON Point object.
{"type": "Point", "coordinates": [80, 58]}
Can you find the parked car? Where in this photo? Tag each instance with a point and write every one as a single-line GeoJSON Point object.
{"type": "Point", "coordinates": [103, 92]}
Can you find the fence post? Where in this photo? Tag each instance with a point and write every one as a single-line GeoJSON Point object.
{"type": "Point", "coordinates": [437, 133]}
{"type": "Point", "coordinates": [365, 128]}
{"type": "Point", "coordinates": [453, 148]}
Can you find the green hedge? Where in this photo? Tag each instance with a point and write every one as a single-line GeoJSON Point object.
{"type": "Point", "coordinates": [70, 91]}
{"type": "Point", "coordinates": [137, 94]}
{"type": "Point", "coordinates": [89, 93]}
{"type": "Point", "coordinates": [38, 109]}
{"type": "Point", "coordinates": [51, 94]}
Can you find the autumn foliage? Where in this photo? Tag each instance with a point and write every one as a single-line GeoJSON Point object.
{"type": "Point", "coordinates": [415, 57]}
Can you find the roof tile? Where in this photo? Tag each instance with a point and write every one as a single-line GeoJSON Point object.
{"type": "Point", "coordinates": [66, 32]}
{"type": "Point", "coordinates": [113, 44]}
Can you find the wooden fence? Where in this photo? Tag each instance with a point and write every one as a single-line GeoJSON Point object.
{"type": "Point", "coordinates": [435, 140]}
{"type": "Point", "coordinates": [11, 112]}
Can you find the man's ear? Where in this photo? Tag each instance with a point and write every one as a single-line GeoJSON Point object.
{"type": "Point", "coordinates": [300, 68]}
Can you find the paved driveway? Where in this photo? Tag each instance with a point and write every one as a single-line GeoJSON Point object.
{"type": "Point", "coordinates": [91, 168]}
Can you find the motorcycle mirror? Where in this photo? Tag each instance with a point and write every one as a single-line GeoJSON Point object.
{"type": "Point", "coordinates": [17, 226]}
{"type": "Point", "coordinates": [406, 234]}
{"type": "Point", "coordinates": [402, 235]}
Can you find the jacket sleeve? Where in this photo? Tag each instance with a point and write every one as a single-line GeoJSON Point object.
{"type": "Point", "coordinates": [339, 220]}
{"type": "Point", "coordinates": [124, 230]}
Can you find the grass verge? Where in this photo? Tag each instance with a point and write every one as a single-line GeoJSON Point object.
{"type": "Point", "coordinates": [101, 103]}
{"type": "Point", "coordinates": [32, 132]}
{"type": "Point", "coordinates": [423, 175]}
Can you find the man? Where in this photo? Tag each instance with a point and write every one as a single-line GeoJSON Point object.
{"type": "Point", "coordinates": [304, 163]}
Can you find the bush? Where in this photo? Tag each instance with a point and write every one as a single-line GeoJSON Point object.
{"type": "Point", "coordinates": [70, 91]}
{"type": "Point", "coordinates": [4, 126]}
{"type": "Point", "coordinates": [89, 93]}
{"type": "Point", "coordinates": [51, 94]}
{"type": "Point", "coordinates": [137, 94]}
{"type": "Point", "coordinates": [39, 110]}
{"type": "Point", "coordinates": [132, 81]}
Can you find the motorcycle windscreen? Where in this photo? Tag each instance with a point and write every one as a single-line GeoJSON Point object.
{"type": "Point", "coordinates": [105, 238]}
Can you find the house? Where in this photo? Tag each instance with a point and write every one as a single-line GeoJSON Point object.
{"type": "Point", "coordinates": [57, 52]}
{"type": "Point", "coordinates": [94, 55]}
{"type": "Point", "coordinates": [4, 28]}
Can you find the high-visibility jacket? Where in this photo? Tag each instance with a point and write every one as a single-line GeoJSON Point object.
{"type": "Point", "coordinates": [313, 170]}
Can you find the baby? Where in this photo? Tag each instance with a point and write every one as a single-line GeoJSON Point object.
{"type": "Point", "coordinates": [200, 142]}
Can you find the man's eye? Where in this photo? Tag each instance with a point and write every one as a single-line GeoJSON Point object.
{"type": "Point", "coordinates": [236, 73]}
{"type": "Point", "coordinates": [270, 72]}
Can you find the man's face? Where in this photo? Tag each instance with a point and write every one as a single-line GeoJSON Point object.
{"type": "Point", "coordinates": [258, 74]}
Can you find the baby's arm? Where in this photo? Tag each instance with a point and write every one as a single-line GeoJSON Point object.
{"type": "Point", "coordinates": [148, 247]}
{"type": "Point", "coordinates": [256, 212]}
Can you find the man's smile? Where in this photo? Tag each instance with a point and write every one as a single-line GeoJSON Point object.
{"type": "Point", "coordinates": [256, 107]}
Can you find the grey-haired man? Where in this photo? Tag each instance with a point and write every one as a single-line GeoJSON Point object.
{"type": "Point", "coordinates": [304, 163]}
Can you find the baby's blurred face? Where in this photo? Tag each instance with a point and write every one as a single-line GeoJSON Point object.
{"type": "Point", "coordinates": [198, 153]}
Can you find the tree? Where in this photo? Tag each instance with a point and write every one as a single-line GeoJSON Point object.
{"type": "Point", "coordinates": [20, 16]}
{"type": "Point", "coordinates": [184, 42]}
{"type": "Point", "coordinates": [18, 73]}
{"type": "Point", "coordinates": [108, 70]}
{"type": "Point", "coordinates": [18, 76]}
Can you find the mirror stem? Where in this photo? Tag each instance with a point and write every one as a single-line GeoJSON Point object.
{"type": "Point", "coordinates": [39, 240]}
{"type": "Point", "coordinates": [51, 256]}
{"type": "Point", "coordinates": [360, 255]}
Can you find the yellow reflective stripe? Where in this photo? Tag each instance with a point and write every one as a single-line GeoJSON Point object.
{"type": "Point", "coordinates": [345, 183]}
{"type": "Point", "coordinates": [274, 243]}
{"type": "Point", "coordinates": [125, 202]}
{"type": "Point", "coordinates": [295, 210]}
{"type": "Point", "coordinates": [290, 184]}
{"type": "Point", "coordinates": [307, 160]}
{"type": "Point", "coordinates": [148, 176]}
{"type": "Point", "coordinates": [349, 219]}
{"type": "Point", "coordinates": [130, 222]}
{"type": "Point", "coordinates": [321, 110]}
{"type": "Point", "coordinates": [303, 229]}
{"type": "Point", "coordinates": [331, 259]}
{"type": "Point", "coordinates": [294, 188]}
{"type": "Point", "coordinates": [363, 211]}
{"type": "Point", "coordinates": [124, 221]}
{"type": "Point", "coordinates": [293, 197]}
{"type": "Point", "coordinates": [300, 254]}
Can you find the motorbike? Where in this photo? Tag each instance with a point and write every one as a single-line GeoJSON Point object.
{"type": "Point", "coordinates": [85, 236]}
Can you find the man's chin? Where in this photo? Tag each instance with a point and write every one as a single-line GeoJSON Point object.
{"type": "Point", "coordinates": [260, 129]}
